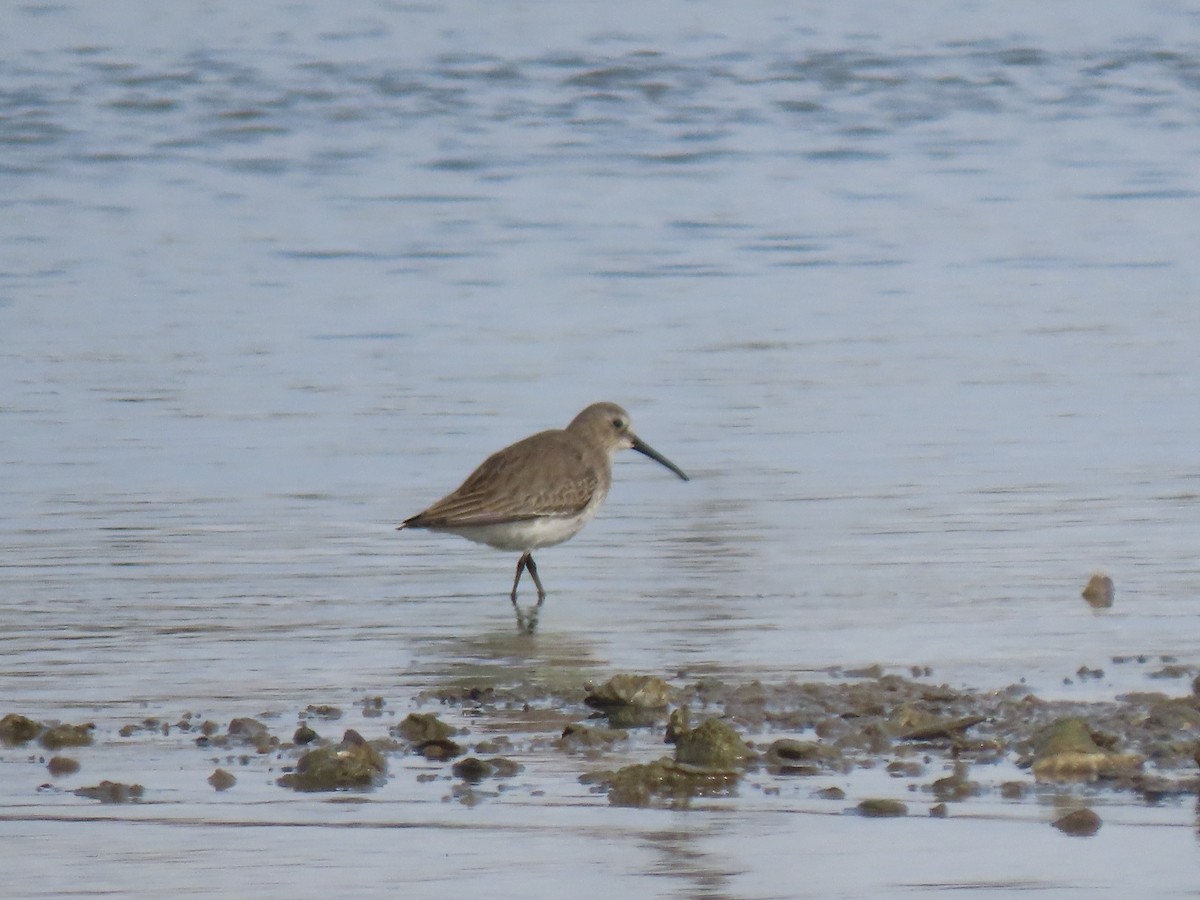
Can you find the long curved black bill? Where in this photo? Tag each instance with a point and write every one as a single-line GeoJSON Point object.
{"type": "Point", "coordinates": [646, 450]}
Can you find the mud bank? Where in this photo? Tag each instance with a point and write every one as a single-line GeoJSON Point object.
{"type": "Point", "coordinates": [642, 740]}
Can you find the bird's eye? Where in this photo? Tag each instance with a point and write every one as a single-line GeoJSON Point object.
{"type": "Point", "coordinates": [618, 423]}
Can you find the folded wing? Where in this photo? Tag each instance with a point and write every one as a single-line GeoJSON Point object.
{"type": "Point", "coordinates": [546, 474]}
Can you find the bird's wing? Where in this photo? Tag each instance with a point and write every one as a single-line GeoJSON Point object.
{"type": "Point", "coordinates": [544, 475]}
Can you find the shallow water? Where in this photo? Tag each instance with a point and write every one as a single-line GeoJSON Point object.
{"type": "Point", "coordinates": [913, 301]}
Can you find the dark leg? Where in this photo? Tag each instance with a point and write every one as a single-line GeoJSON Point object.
{"type": "Point", "coordinates": [529, 564]}
{"type": "Point", "coordinates": [525, 560]}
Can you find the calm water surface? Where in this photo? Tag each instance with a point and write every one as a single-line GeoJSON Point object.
{"type": "Point", "coordinates": [913, 300]}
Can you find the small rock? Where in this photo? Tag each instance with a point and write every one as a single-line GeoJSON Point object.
{"type": "Point", "coordinates": [830, 793]}
{"type": "Point", "coordinates": [906, 768]}
{"type": "Point", "coordinates": [955, 786]}
{"type": "Point", "coordinates": [506, 768]}
{"type": "Point", "coordinates": [17, 729]}
{"type": "Point", "coordinates": [1099, 591]}
{"type": "Point", "coordinates": [472, 769]}
{"type": "Point", "coordinates": [790, 750]}
{"type": "Point", "coordinates": [58, 736]}
{"type": "Point", "coordinates": [439, 749]}
{"type": "Point", "coordinates": [221, 780]}
{"type": "Point", "coordinates": [713, 744]}
{"type": "Point", "coordinates": [1173, 670]}
{"type": "Point", "coordinates": [60, 766]}
{"type": "Point", "coordinates": [494, 745]}
{"type": "Point", "coordinates": [475, 770]}
{"type": "Point", "coordinates": [304, 735]}
{"type": "Point", "coordinates": [630, 701]}
{"type": "Point", "coordinates": [247, 727]}
{"type": "Point", "coordinates": [939, 811]}
{"type": "Point", "coordinates": [787, 756]}
{"type": "Point", "coordinates": [643, 691]}
{"type": "Point", "coordinates": [246, 730]}
{"type": "Point", "coordinates": [1178, 715]}
{"type": "Point", "coordinates": [1012, 790]}
{"type": "Point", "coordinates": [1080, 823]}
{"type": "Point", "coordinates": [372, 707]}
{"type": "Point", "coordinates": [353, 763]}
{"type": "Point", "coordinates": [583, 737]}
{"type": "Point", "coordinates": [418, 728]}
{"type": "Point", "coordinates": [879, 809]}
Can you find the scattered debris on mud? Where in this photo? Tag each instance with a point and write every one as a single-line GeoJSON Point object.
{"type": "Point", "coordinates": [112, 792]}
{"type": "Point", "coordinates": [641, 740]}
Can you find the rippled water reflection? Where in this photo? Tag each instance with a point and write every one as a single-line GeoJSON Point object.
{"type": "Point", "coordinates": [911, 299]}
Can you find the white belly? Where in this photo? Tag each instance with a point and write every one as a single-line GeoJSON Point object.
{"type": "Point", "coordinates": [526, 535]}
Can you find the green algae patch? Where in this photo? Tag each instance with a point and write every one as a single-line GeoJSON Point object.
{"type": "Point", "coordinates": [16, 729]}
{"type": "Point", "coordinates": [352, 764]}
{"type": "Point", "coordinates": [1069, 751]}
{"type": "Point", "coordinates": [713, 744]}
{"type": "Point", "coordinates": [420, 728]}
{"type": "Point", "coordinates": [707, 763]}
{"type": "Point", "coordinates": [58, 736]}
